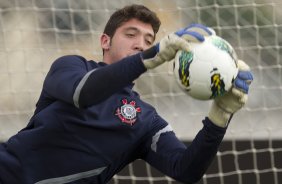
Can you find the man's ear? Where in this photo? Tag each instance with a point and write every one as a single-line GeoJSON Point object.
{"type": "Point", "coordinates": [105, 41]}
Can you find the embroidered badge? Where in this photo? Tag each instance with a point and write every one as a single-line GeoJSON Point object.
{"type": "Point", "coordinates": [127, 112]}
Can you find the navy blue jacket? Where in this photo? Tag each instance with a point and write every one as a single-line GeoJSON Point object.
{"type": "Point", "coordinates": [89, 124]}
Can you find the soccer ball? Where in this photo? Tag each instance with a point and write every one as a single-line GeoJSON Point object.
{"type": "Point", "coordinates": [208, 71]}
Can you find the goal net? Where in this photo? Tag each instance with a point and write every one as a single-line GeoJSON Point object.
{"type": "Point", "coordinates": [33, 33]}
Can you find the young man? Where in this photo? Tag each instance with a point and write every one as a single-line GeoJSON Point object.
{"type": "Point", "coordinates": [89, 123]}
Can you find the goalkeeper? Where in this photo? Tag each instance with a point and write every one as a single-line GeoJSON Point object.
{"type": "Point", "coordinates": [89, 123]}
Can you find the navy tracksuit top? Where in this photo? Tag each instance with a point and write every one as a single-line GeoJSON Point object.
{"type": "Point", "coordinates": [89, 124]}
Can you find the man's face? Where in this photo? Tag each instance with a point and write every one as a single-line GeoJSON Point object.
{"type": "Point", "coordinates": [130, 38]}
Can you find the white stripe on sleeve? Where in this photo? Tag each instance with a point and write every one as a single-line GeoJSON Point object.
{"type": "Point", "coordinates": [156, 137]}
{"type": "Point", "coordinates": [79, 87]}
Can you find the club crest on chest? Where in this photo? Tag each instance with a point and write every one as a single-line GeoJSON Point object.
{"type": "Point", "coordinates": [127, 112]}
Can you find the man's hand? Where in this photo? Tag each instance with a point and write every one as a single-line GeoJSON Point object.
{"type": "Point", "coordinates": [166, 49]}
{"type": "Point", "coordinates": [224, 107]}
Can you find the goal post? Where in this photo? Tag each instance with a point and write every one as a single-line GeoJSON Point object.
{"type": "Point", "coordinates": [33, 33]}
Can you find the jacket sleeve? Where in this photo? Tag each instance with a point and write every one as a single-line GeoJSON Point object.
{"type": "Point", "coordinates": [73, 80]}
{"type": "Point", "coordinates": [185, 164]}
{"type": "Point", "coordinates": [98, 85]}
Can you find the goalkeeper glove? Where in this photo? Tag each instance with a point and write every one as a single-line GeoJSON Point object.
{"type": "Point", "coordinates": [166, 49]}
{"type": "Point", "coordinates": [225, 106]}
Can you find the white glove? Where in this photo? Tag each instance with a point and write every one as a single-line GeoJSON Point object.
{"type": "Point", "coordinates": [166, 49]}
{"type": "Point", "coordinates": [224, 107]}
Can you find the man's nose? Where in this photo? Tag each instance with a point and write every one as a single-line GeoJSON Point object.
{"type": "Point", "coordinates": [139, 45]}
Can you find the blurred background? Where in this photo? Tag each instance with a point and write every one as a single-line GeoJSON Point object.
{"type": "Point", "coordinates": [33, 33]}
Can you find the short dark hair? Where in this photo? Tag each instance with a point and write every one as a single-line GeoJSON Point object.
{"type": "Point", "coordinates": [138, 12]}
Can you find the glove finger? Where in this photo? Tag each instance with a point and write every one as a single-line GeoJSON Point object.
{"type": "Point", "coordinates": [245, 75]}
{"type": "Point", "coordinates": [242, 97]}
{"type": "Point", "coordinates": [241, 85]}
{"type": "Point", "coordinates": [195, 32]}
{"type": "Point", "coordinates": [200, 28]}
{"type": "Point", "coordinates": [182, 44]}
{"type": "Point", "coordinates": [193, 36]}
{"type": "Point", "coordinates": [212, 31]}
{"type": "Point", "coordinates": [176, 43]}
{"type": "Point", "coordinates": [243, 66]}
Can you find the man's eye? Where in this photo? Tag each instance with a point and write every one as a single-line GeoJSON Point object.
{"type": "Point", "coordinates": [148, 42]}
{"type": "Point", "coordinates": [130, 35]}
